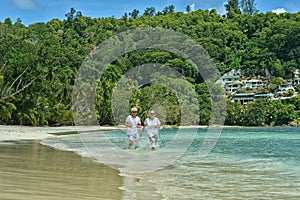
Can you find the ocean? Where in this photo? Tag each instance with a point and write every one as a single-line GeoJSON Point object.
{"type": "Point", "coordinates": [244, 163]}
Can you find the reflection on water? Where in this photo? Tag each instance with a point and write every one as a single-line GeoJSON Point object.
{"type": "Point", "coordinates": [29, 170]}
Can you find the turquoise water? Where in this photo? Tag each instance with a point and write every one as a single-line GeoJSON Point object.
{"type": "Point", "coordinates": [245, 163]}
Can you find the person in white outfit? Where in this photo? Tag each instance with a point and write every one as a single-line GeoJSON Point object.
{"type": "Point", "coordinates": [152, 124]}
{"type": "Point", "coordinates": [133, 122]}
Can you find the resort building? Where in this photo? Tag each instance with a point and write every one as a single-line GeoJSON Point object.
{"type": "Point", "coordinates": [284, 87]}
{"type": "Point", "coordinates": [243, 97]}
{"type": "Point", "coordinates": [296, 81]}
{"type": "Point", "coordinates": [232, 81]}
{"type": "Point", "coordinates": [229, 79]}
{"type": "Point", "coordinates": [231, 87]}
{"type": "Point", "coordinates": [253, 83]}
{"type": "Point", "coordinates": [264, 95]}
{"type": "Point", "coordinates": [247, 97]}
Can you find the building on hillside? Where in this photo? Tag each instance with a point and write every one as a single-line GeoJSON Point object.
{"type": "Point", "coordinates": [296, 81]}
{"type": "Point", "coordinates": [247, 97]}
{"type": "Point", "coordinates": [284, 87]}
{"type": "Point", "coordinates": [244, 97]}
{"type": "Point", "coordinates": [253, 83]}
{"type": "Point", "coordinates": [264, 95]}
{"type": "Point", "coordinates": [231, 87]}
{"type": "Point", "coordinates": [229, 79]}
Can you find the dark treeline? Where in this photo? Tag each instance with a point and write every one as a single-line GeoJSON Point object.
{"type": "Point", "coordinates": [39, 63]}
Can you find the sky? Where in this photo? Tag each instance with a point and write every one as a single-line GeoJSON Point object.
{"type": "Point", "coordinates": [33, 11]}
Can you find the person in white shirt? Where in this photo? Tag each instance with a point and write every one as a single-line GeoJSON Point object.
{"type": "Point", "coordinates": [133, 122]}
{"type": "Point", "coordinates": [152, 124]}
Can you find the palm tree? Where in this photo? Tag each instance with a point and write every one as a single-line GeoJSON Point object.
{"type": "Point", "coordinates": [232, 5]}
{"type": "Point", "coordinates": [188, 9]}
{"type": "Point", "coordinates": [248, 7]}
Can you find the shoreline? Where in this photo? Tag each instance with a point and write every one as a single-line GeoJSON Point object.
{"type": "Point", "coordinates": [19, 132]}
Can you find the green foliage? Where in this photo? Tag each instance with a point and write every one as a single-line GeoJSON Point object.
{"type": "Point", "coordinates": [6, 110]}
{"type": "Point", "coordinates": [277, 81]}
{"type": "Point", "coordinates": [248, 7]}
{"type": "Point", "coordinates": [134, 14]}
{"type": "Point", "coordinates": [38, 64]}
{"type": "Point", "coordinates": [149, 12]}
{"type": "Point", "coordinates": [232, 6]}
{"type": "Point", "coordinates": [261, 112]}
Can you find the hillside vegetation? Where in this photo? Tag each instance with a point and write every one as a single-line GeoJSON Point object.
{"type": "Point", "coordinates": [39, 63]}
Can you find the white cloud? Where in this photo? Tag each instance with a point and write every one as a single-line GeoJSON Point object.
{"type": "Point", "coordinates": [192, 7]}
{"type": "Point", "coordinates": [279, 10]}
{"type": "Point", "coordinates": [218, 5]}
{"type": "Point", "coordinates": [26, 4]}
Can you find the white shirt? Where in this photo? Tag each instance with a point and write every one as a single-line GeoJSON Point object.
{"type": "Point", "coordinates": [150, 125]}
{"type": "Point", "coordinates": [133, 122]}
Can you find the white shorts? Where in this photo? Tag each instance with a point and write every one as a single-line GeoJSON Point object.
{"type": "Point", "coordinates": [133, 136]}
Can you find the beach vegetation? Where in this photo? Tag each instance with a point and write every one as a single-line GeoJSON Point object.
{"type": "Point", "coordinates": [39, 63]}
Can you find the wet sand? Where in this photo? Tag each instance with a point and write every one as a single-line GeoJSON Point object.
{"type": "Point", "coordinates": [29, 170]}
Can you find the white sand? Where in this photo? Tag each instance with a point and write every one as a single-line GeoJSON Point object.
{"type": "Point", "coordinates": [37, 133]}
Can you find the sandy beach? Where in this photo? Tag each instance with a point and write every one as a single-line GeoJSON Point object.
{"type": "Point", "coordinates": [38, 133]}
{"type": "Point", "coordinates": [30, 170]}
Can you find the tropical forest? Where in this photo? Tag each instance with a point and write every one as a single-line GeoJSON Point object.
{"type": "Point", "coordinates": [39, 63]}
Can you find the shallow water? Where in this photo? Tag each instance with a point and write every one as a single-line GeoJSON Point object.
{"type": "Point", "coordinates": [246, 163]}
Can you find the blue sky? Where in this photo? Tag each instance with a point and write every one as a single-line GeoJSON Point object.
{"type": "Point", "coordinates": [32, 11]}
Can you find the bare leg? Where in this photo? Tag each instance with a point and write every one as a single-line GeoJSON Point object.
{"type": "Point", "coordinates": [131, 142]}
{"type": "Point", "coordinates": [153, 143]}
